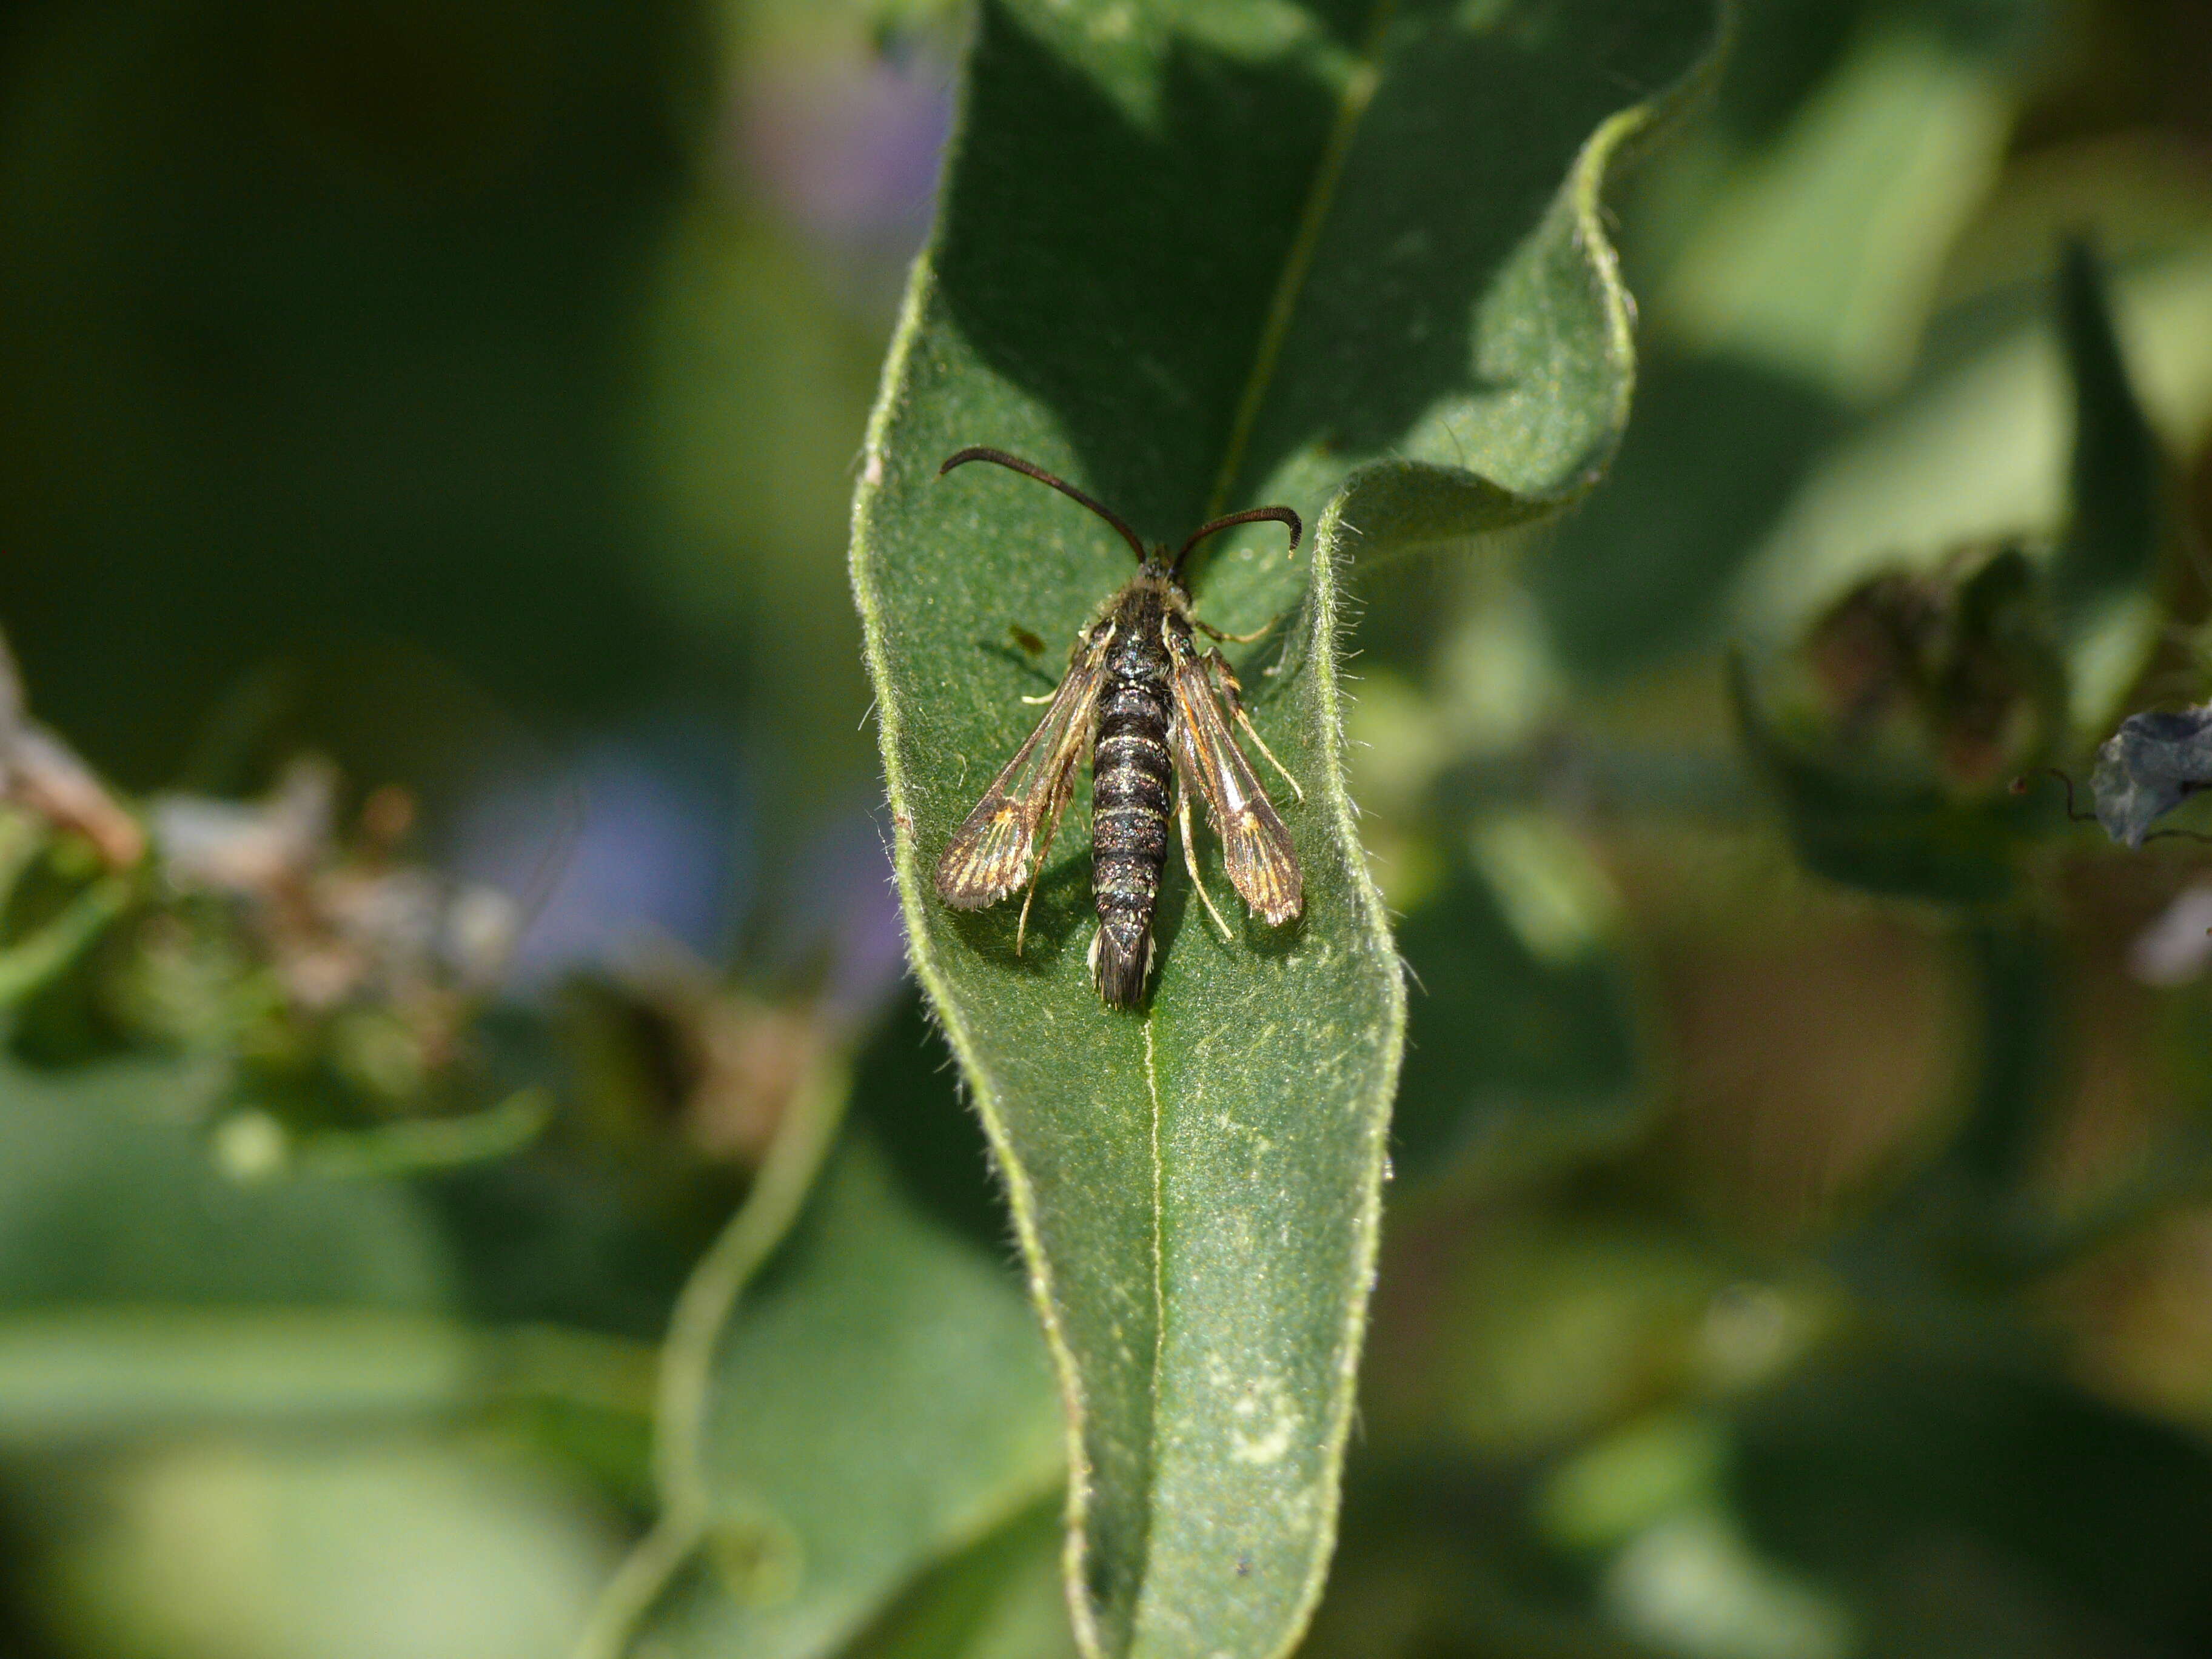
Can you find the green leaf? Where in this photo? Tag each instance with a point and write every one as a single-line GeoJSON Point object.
{"type": "Point", "coordinates": [2097, 1518]}
{"type": "Point", "coordinates": [109, 1195]}
{"type": "Point", "coordinates": [1196, 257]}
{"type": "Point", "coordinates": [2102, 576]}
{"type": "Point", "coordinates": [1979, 447]}
{"type": "Point", "coordinates": [2111, 540]}
{"type": "Point", "coordinates": [332, 1545]}
{"type": "Point", "coordinates": [142, 1287]}
{"type": "Point", "coordinates": [1820, 256]}
{"type": "Point", "coordinates": [29, 964]}
{"type": "Point", "coordinates": [1518, 1059]}
{"type": "Point", "coordinates": [1001, 1600]}
{"type": "Point", "coordinates": [89, 1374]}
{"type": "Point", "coordinates": [877, 1401]}
{"type": "Point", "coordinates": [105, 1373]}
{"type": "Point", "coordinates": [1641, 571]}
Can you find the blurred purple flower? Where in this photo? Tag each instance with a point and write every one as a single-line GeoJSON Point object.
{"type": "Point", "coordinates": [2173, 950]}
{"type": "Point", "coordinates": [848, 145]}
{"type": "Point", "coordinates": [849, 910]}
{"type": "Point", "coordinates": [633, 842]}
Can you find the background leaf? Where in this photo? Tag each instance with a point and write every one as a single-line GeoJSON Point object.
{"type": "Point", "coordinates": [107, 1195]}
{"type": "Point", "coordinates": [1976, 446]}
{"type": "Point", "coordinates": [2020, 1486]}
{"type": "Point", "coordinates": [1517, 1060]}
{"type": "Point", "coordinates": [1001, 1600]}
{"type": "Point", "coordinates": [1196, 258]}
{"type": "Point", "coordinates": [1820, 258]}
{"type": "Point", "coordinates": [878, 1399]}
{"type": "Point", "coordinates": [2112, 538]}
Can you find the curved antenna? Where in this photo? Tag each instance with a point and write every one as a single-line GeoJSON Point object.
{"type": "Point", "coordinates": [1281, 515]}
{"type": "Point", "coordinates": [982, 452]}
{"type": "Point", "coordinates": [2075, 814]}
{"type": "Point", "coordinates": [2020, 788]}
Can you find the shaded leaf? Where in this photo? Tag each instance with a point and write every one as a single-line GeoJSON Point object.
{"type": "Point", "coordinates": [1969, 1504]}
{"type": "Point", "coordinates": [1001, 1600]}
{"type": "Point", "coordinates": [1640, 571]}
{"type": "Point", "coordinates": [1514, 1061]}
{"type": "Point", "coordinates": [2102, 579]}
{"type": "Point", "coordinates": [2118, 474]}
{"type": "Point", "coordinates": [1436, 1560]}
{"type": "Point", "coordinates": [107, 1195]}
{"type": "Point", "coordinates": [879, 1401]}
{"type": "Point", "coordinates": [1196, 258]}
{"type": "Point", "coordinates": [906, 1090]}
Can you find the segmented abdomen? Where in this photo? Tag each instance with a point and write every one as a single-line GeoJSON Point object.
{"type": "Point", "coordinates": [1130, 769]}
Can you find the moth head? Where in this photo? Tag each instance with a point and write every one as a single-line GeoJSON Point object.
{"type": "Point", "coordinates": [1155, 562]}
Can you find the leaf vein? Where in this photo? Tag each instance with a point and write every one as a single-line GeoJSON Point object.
{"type": "Point", "coordinates": [1366, 74]}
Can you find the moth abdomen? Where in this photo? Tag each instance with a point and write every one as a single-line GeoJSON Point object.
{"type": "Point", "coordinates": [1132, 771]}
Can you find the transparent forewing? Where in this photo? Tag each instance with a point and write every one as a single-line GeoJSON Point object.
{"type": "Point", "coordinates": [988, 856]}
{"type": "Point", "coordinates": [1255, 848]}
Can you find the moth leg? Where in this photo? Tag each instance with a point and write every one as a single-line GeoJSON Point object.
{"type": "Point", "coordinates": [1231, 693]}
{"type": "Point", "coordinates": [1062, 792]}
{"type": "Point", "coordinates": [1259, 633]}
{"type": "Point", "coordinates": [1021, 927]}
{"type": "Point", "coordinates": [1190, 862]}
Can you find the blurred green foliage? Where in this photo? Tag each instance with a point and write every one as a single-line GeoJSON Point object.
{"type": "Point", "coordinates": [1797, 1245]}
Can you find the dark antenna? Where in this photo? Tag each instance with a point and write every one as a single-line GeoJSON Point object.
{"type": "Point", "coordinates": [2020, 785]}
{"type": "Point", "coordinates": [979, 452]}
{"type": "Point", "coordinates": [1282, 515]}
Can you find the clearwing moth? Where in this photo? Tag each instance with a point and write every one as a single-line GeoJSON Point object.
{"type": "Point", "coordinates": [1155, 712]}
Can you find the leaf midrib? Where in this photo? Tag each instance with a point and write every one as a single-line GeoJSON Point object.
{"type": "Point", "coordinates": [1359, 87]}
{"type": "Point", "coordinates": [1360, 83]}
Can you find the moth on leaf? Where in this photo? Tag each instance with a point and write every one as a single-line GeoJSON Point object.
{"type": "Point", "coordinates": [1155, 713]}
